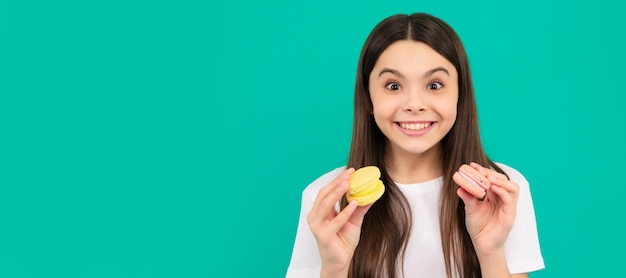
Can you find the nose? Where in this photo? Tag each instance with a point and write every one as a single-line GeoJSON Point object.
{"type": "Point", "coordinates": [415, 101]}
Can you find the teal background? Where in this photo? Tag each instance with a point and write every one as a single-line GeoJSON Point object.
{"type": "Point", "coordinates": [173, 138]}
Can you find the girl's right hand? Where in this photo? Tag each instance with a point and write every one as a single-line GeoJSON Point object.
{"type": "Point", "coordinates": [337, 233]}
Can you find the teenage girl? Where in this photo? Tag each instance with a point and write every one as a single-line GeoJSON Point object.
{"type": "Point", "coordinates": [415, 118]}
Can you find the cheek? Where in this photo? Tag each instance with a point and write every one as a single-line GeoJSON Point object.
{"type": "Point", "coordinates": [384, 111]}
{"type": "Point", "coordinates": [447, 107]}
{"type": "Point", "coordinates": [452, 110]}
{"type": "Point", "coordinates": [381, 113]}
{"type": "Point", "coordinates": [381, 105]}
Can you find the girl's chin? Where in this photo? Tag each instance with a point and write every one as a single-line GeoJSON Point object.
{"type": "Point", "coordinates": [415, 150]}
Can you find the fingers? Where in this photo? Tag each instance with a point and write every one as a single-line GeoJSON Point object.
{"type": "Point", "coordinates": [333, 190]}
{"type": "Point", "coordinates": [324, 206]}
{"type": "Point", "coordinates": [496, 178]}
{"type": "Point", "coordinates": [504, 183]}
{"type": "Point", "coordinates": [359, 213]}
{"type": "Point", "coordinates": [326, 223]}
{"type": "Point", "coordinates": [507, 190]}
{"type": "Point", "coordinates": [328, 189]}
{"type": "Point", "coordinates": [501, 186]}
{"type": "Point", "coordinates": [469, 200]}
{"type": "Point", "coordinates": [487, 171]}
{"type": "Point", "coordinates": [340, 220]}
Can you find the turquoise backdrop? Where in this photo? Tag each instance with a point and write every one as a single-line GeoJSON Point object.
{"type": "Point", "coordinates": [173, 138]}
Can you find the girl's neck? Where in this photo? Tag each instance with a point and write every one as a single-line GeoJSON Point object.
{"type": "Point", "coordinates": [407, 168]}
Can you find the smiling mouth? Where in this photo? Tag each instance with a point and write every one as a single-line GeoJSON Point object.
{"type": "Point", "coordinates": [415, 126]}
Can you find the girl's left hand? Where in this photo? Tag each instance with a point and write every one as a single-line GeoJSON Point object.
{"type": "Point", "coordinates": [489, 221]}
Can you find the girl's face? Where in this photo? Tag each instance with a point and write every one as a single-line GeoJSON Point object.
{"type": "Point", "coordinates": [414, 92]}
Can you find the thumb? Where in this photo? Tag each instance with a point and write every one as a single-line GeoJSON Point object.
{"type": "Point", "coordinates": [357, 217]}
{"type": "Point", "coordinates": [469, 200]}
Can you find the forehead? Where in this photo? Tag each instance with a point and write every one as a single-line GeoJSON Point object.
{"type": "Point", "coordinates": [412, 58]}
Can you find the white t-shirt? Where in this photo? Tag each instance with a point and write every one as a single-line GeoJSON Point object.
{"type": "Point", "coordinates": [424, 255]}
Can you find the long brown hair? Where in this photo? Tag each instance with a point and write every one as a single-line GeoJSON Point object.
{"type": "Point", "coordinates": [387, 224]}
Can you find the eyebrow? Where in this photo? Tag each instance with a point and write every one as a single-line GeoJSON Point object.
{"type": "Point", "coordinates": [427, 74]}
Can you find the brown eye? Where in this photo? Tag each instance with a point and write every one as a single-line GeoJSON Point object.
{"type": "Point", "coordinates": [392, 86]}
{"type": "Point", "coordinates": [435, 85]}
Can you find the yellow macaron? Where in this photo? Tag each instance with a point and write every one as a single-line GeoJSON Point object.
{"type": "Point", "coordinates": [365, 186]}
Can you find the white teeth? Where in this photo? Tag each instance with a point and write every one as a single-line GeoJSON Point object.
{"type": "Point", "coordinates": [414, 126]}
